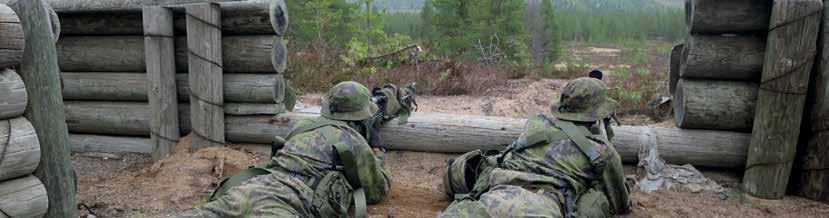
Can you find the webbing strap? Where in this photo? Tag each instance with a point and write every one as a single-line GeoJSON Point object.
{"type": "Point", "coordinates": [318, 123]}
{"type": "Point", "coordinates": [576, 134]}
{"type": "Point", "coordinates": [237, 180]}
{"type": "Point", "coordinates": [353, 177]}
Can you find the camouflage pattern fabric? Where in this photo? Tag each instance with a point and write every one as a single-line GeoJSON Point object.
{"type": "Point", "coordinates": [584, 99]}
{"type": "Point", "coordinates": [285, 193]}
{"type": "Point", "coordinates": [534, 180]}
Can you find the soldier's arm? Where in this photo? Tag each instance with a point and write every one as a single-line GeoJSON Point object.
{"type": "Point", "coordinates": [613, 180]}
{"type": "Point", "coordinates": [373, 175]}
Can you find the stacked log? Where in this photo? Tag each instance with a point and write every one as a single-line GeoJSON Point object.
{"type": "Point", "coordinates": [719, 64]}
{"type": "Point", "coordinates": [21, 194]}
{"type": "Point", "coordinates": [103, 62]}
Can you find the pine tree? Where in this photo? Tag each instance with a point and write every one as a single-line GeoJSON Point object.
{"type": "Point", "coordinates": [553, 29]}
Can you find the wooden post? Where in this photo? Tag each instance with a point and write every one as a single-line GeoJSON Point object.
{"type": "Point", "coordinates": [675, 61]}
{"type": "Point", "coordinates": [39, 71]}
{"type": "Point", "coordinates": [790, 53]}
{"type": "Point", "coordinates": [204, 43]}
{"type": "Point", "coordinates": [161, 75]}
{"type": "Point", "coordinates": [814, 175]}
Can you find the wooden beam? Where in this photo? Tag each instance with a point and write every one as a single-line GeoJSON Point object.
{"type": "Point", "coordinates": [39, 70]}
{"type": "Point", "coordinates": [23, 197]}
{"type": "Point", "coordinates": [814, 168]}
{"type": "Point", "coordinates": [723, 57]}
{"type": "Point", "coordinates": [790, 53]}
{"type": "Point", "coordinates": [86, 6]}
{"type": "Point", "coordinates": [161, 74]}
{"type": "Point", "coordinates": [240, 54]}
{"type": "Point", "coordinates": [715, 104]}
{"type": "Point", "coordinates": [204, 41]}
{"type": "Point", "coordinates": [11, 38]}
{"type": "Point", "coordinates": [731, 16]}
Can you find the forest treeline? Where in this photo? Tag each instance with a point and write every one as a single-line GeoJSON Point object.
{"type": "Point", "coordinates": [518, 32]}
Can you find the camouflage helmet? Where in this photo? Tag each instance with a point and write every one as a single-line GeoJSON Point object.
{"type": "Point", "coordinates": [584, 99]}
{"type": "Point", "coordinates": [350, 101]}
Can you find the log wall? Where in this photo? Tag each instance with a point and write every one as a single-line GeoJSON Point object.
{"type": "Point", "coordinates": [11, 38]}
{"type": "Point", "coordinates": [13, 97]}
{"type": "Point", "coordinates": [19, 148]}
{"type": "Point", "coordinates": [23, 197]}
{"type": "Point", "coordinates": [715, 104]}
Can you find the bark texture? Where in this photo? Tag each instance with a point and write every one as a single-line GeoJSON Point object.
{"type": "Point", "coordinates": [731, 16]}
{"type": "Point", "coordinates": [715, 104]}
{"type": "Point", "coordinates": [723, 57]}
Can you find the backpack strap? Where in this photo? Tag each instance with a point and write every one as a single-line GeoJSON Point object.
{"type": "Point", "coordinates": [237, 180]}
{"type": "Point", "coordinates": [577, 134]}
{"type": "Point", "coordinates": [346, 156]}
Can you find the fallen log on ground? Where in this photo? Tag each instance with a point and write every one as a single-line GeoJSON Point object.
{"type": "Point", "coordinates": [731, 16]}
{"type": "Point", "coordinates": [444, 133]}
{"type": "Point", "coordinates": [13, 97]}
{"type": "Point", "coordinates": [23, 197]}
{"type": "Point", "coordinates": [22, 153]}
{"type": "Point", "coordinates": [11, 38]}
{"type": "Point", "coordinates": [715, 104]}
{"type": "Point", "coordinates": [238, 88]}
{"type": "Point", "coordinates": [240, 54]}
{"type": "Point", "coordinates": [723, 57]}
{"type": "Point", "coordinates": [240, 18]}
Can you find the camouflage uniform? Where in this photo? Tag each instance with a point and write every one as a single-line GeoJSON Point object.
{"type": "Point", "coordinates": [304, 178]}
{"type": "Point", "coordinates": [546, 174]}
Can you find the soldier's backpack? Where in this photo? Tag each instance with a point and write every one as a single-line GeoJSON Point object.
{"type": "Point", "coordinates": [332, 190]}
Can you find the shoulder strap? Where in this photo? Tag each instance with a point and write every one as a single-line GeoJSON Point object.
{"type": "Point", "coordinates": [317, 123]}
{"type": "Point", "coordinates": [577, 134]}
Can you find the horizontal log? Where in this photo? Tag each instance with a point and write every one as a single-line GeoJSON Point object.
{"type": "Point", "coordinates": [132, 118]}
{"type": "Point", "coordinates": [238, 88]}
{"type": "Point", "coordinates": [22, 153]}
{"type": "Point", "coordinates": [238, 18]}
{"type": "Point", "coordinates": [13, 97]}
{"type": "Point", "coordinates": [712, 104]}
{"type": "Point", "coordinates": [12, 41]}
{"type": "Point", "coordinates": [86, 6]}
{"type": "Point", "coordinates": [460, 133]}
{"type": "Point", "coordinates": [109, 144]}
{"type": "Point", "coordinates": [731, 16]}
{"type": "Point", "coordinates": [23, 197]}
{"type": "Point", "coordinates": [240, 54]}
{"type": "Point", "coordinates": [723, 57]}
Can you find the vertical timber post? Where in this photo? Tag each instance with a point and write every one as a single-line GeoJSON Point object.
{"type": "Point", "coordinates": [159, 53]}
{"type": "Point", "coordinates": [40, 73]}
{"type": "Point", "coordinates": [204, 44]}
{"type": "Point", "coordinates": [814, 175]}
{"type": "Point", "coordinates": [790, 54]}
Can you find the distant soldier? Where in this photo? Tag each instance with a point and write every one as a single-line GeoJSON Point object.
{"type": "Point", "coordinates": [326, 164]}
{"type": "Point", "coordinates": [561, 166]}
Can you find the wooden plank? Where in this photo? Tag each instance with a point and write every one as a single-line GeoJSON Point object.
{"type": "Point", "coordinates": [814, 168]}
{"type": "Point", "coordinates": [790, 53]}
{"type": "Point", "coordinates": [161, 74]}
{"type": "Point", "coordinates": [86, 6]}
{"type": "Point", "coordinates": [23, 197]}
{"type": "Point", "coordinates": [110, 144]}
{"type": "Point", "coordinates": [723, 57]}
{"type": "Point", "coordinates": [715, 104]}
{"type": "Point", "coordinates": [39, 70]}
{"type": "Point", "coordinates": [240, 54]}
{"type": "Point", "coordinates": [204, 43]}
{"type": "Point", "coordinates": [731, 16]}
{"type": "Point", "coordinates": [11, 38]}
{"type": "Point", "coordinates": [21, 154]}
{"type": "Point", "coordinates": [13, 97]}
